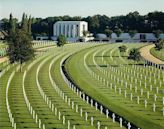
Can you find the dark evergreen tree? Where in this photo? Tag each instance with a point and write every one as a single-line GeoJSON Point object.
{"type": "Point", "coordinates": [24, 23]}
{"type": "Point", "coordinates": [20, 48]}
{"type": "Point", "coordinates": [12, 26]}
{"type": "Point", "coordinates": [29, 25]}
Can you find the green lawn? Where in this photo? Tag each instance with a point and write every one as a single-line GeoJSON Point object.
{"type": "Point", "coordinates": [23, 118]}
{"type": "Point", "coordinates": [107, 63]}
{"type": "Point", "coordinates": [158, 54]}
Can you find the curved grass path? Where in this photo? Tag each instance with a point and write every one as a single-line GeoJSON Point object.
{"type": "Point", "coordinates": [144, 117]}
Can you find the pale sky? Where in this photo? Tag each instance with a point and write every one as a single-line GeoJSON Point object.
{"type": "Point", "coordinates": [45, 8]}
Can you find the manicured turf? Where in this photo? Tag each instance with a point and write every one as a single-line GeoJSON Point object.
{"type": "Point", "coordinates": [158, 54]}
{"type": "Point", "coordinates": [21, 114]}
{"type": "Point", "coordinates": [106, 94]}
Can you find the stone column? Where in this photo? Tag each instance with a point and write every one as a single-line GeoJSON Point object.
{"type": "Point", "coordinates": [70, 31]}
{"type": "Point", "coordinates": [62, 29]}
{"type": "Point", "coordinates": [65, 30]}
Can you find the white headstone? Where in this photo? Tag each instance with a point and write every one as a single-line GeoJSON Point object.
{"type": "Point", "coordinates": [113, 117]}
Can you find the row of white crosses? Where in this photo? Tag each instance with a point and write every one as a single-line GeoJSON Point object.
{"type": "Point", "coordinates": [42, 43]}
{"type": "Point", "coordinates": [7, 101]}
{"type": "Point", "coordinates": [131, 95]}
{"type": "Point", "coordinates": [82, 95]}
{"type": "Point", "coordinates": [48, 101]}
{"type": "Point", "coordinates": [157, 89]}
{"type": "Point", "coordinates": [29, 106]}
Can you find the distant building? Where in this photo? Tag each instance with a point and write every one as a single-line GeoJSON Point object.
{"type": "Point", "coordinates": [42, 37]}
{"type": "Point", "coordinates": [144, 37]}
{"type": "Point", "coordinates": [72, 30]}
{"type": "Point", "coordinates": [161, 36]}
{"type": "Point", "coordinates": [126, 37]}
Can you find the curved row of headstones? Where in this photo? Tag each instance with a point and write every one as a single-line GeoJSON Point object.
{"type": "Point", "coordinates": [13, 123]}
{"type": "Point", "coordinates": [33, 113]}
{"type": "Point", "coordinates": [7, 67]}
{"type": "Point", "coordinates": [131, 95]}
{"type": "Point", "coordinates": [90, 100]}
{"type": "Point", "coordinates": [65, 98]}
{"type": "Point", "coordinates": [114, 115]}
{"type": "Point", "coordinates": [68, 100]}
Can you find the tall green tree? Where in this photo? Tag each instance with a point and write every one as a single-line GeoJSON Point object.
{"type": "Point", "coordinates": [12, 26]}
{"type": "Point", "coordinates": [20, 48]}
{"type": "Point", "coordinates": [29, 25]}
{"type": "Point", "coordinates": [24, 23]}
{"type": "Point", "coordinates": [61, 40]}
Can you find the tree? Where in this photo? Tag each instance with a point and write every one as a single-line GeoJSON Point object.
{"type": "Point", "coordinates": [134, 55]}
{"type": "Point", "coordinates": [12, 25]}
{"type": "Point", "coordinates": [157, 33]}
{"type": "Point", "coordinates": [29, 25]}
{"type": "Point", "coordinates": [24, 23]}
{"type": "Point", "coordinates": [20, 48]}
{"type": "Point", "coordinates": [132, 32]}
{"type": "Point", "coordinates": [159, 45]}
{"type": "Point", "coordinates": [118, 31]}
{"type": "Point", "coordinates": [122, 48]}
{"type": "Point", "coordinates": [61, 40]}
{"type": "Point", "coordinates": [108, 32]}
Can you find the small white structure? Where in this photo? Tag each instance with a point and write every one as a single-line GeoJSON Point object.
{"type": "Point", "coordinates": [72, 30]}
{"type": "Point", "coordinates": [42, 38]}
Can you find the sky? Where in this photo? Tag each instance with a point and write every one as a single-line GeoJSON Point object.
{"type": "Point", "coordinates": [46, 8]}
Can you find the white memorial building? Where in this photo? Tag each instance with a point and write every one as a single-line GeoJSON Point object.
{"type": "Point", "coordinates": [72, 30]}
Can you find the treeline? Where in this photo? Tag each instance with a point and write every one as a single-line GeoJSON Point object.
{"type": "Point", "coordinates": [132, 23]}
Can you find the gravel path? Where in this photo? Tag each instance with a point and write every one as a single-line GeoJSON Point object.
{"type": "Point", "coordinates": [145, 53]}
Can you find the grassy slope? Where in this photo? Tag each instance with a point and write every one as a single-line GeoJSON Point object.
{"type": "Point", "coordinates": [158, 54]}
{"type": "Point", "coordinates": [76, 70]}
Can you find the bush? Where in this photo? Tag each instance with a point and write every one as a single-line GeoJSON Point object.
{"type": "Point", "coordinates": [122, 48]}
{"type": "Point", "coordinates": [61, 41]}
{"type": "Point", "coordinates": [134, 55]}
{"type": "Point", "coordinates": [159, 45]}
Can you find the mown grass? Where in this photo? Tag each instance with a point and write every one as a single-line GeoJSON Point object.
{"type": "Point", "coordinates": [158, 54]}
{"type": "Point", "coordinates": [136, 113]}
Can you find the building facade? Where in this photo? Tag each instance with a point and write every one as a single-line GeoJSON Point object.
{"type": "Point", "coordinates": [72, 30]}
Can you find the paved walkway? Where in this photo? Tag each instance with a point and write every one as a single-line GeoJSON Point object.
{"type": "Point", "coordinates": [145, 53]}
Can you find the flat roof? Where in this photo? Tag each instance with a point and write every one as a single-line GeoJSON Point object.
{"type": "Point", "coordinates": [70, 21]}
